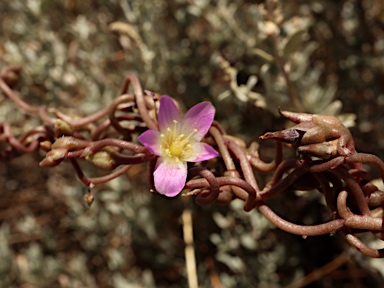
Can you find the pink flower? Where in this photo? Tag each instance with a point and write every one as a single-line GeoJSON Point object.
{"type": "Point", "coordinates": [178, 142]}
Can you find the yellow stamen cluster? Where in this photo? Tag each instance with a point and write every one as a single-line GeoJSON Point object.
{"type": "Point", "coordinates": [175, 145]}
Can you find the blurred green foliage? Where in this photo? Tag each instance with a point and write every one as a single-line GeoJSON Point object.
{"type": "Point", "coordinates": [75, 55]}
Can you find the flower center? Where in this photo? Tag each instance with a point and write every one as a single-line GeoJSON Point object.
{"type": "Point", "coordinates": [175, 144]}
{"type": "Point", "coordinates": [176, 149]}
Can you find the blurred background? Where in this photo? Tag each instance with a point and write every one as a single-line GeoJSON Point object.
{"type": "Point", "coordinates": [248, 57]}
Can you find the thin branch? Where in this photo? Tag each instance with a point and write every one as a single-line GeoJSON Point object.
{"type": "Point", "coordinates": [189, 248]}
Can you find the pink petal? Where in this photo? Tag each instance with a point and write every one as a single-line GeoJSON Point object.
{"type": "Point", "coordinates": [168, 112]}
{"type": "Point", "coordinates": [199, 117]}
{"type": "Point", "coordinates": [170, 178]}
{"type": "Point", "coordinates": [203, 152]}
{"type": "Point", "coordinates": [151, 140]}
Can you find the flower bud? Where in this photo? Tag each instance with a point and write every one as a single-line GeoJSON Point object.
{"type": "Point", "coordinates": [54, 157]}
{"type": "Point", "coordinates": [103, 160]}
{"type": "Point", "coordinates": [69, 143]}
{"type": "Point", "coordinates": [46, 145]}
{"type": "Point", "coordinates": [323, 150]}
{"type": "Point", "coordinates": [89, 198]}
{"type": "Point", "coordinates": [291, 135]}
{"type": "Point", "coordinates": [62, 128]}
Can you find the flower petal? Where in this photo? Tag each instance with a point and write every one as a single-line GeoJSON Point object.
{"type": "Point", "coordinates": [168, 112]}
{"type": "Point", "coordinates": [170, 177]}
{"type": "Point", "coordinates": [151, 139]}
{"type": "Point", "coordinates": [203, 152]}
{"type": "Point", "coordinates": [199, 117]}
